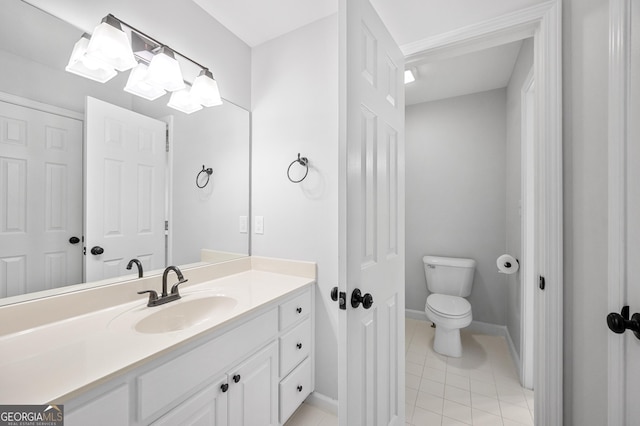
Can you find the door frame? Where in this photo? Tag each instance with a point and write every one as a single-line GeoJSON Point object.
{"type": "Point", "coordinates": [618, 112]}
{"type": "Point", "coordinates": [543, 23]}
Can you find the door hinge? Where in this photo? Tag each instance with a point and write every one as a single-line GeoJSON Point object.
{"type": "Point", "coordinates": [541, 282]}
{"type": "Point", "coordinates": [166, 225]}
{"type": "Point", "coordinates": [167, 139]}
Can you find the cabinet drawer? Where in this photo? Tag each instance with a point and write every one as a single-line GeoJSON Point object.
{"type": "Point", "coordinates": [294, 347]}
{"type": "Point", "coordinates": [295, 309]}
{"type": "Point", "coordinates": [109, 409]}
{"type": "Point", "coordinates": [294, 389]}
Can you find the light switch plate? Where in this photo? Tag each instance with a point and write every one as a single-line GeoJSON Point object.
{"type": "Point", "coordinates": [259, 224]}
{"type": "Point", "coordinates": [243, 223]}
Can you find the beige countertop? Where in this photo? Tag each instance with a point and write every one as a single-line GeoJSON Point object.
{"type": "Point", "coordinates": [56, 361]}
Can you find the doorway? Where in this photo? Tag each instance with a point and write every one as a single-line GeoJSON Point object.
{"type": "Point", "coordinates": [545, 252]}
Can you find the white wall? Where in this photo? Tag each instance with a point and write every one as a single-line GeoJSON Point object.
{"type": "Point", "coordinates": [585, 60]}
{"type": "Point", "coordinates": [513, 187]}
{"type": "Point", "coordinates": [455, 186]}
{"type": "Point", "coordinates": [295, 110]}
{"type": "Point", "coordinates": [207, 218]}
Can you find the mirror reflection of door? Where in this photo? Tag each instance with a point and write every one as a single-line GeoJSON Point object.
{"type": "Point", "coordinates": [126, 158]}
{"type": "Point", "coordinates": [40, 200]}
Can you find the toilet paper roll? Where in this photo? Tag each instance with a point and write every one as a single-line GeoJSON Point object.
{"type": "Point", "coordinates": [507, 264]}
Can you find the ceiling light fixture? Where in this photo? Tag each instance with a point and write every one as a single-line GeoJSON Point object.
{"type": "Point", "coordinates": [154, 68]}
{"type": "Point", "coordinates": [409, 77]}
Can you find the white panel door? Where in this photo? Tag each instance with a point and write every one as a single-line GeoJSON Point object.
{"type": "Point", "coordinates": [40, 200]}
{"type": "Point", "coordinates": [371, 341]}
{"type": "Point", "coordinates": [126, 190]}
{"type": "Point", "coordinates": [632, 354]}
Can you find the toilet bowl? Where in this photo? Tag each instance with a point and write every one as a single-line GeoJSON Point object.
{"type": "Point", "coordinates": [449, 314]}
{"type": "Point", "coordinates": [449, 281]}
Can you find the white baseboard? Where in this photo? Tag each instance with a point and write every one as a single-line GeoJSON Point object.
{"type": "Point", "coordinates": [480, 328]}
{"type": "Point", "coordinates": [323, 402]}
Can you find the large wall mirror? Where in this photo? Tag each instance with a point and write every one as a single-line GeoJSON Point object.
{"type": "Point", "coordinates": [44, 197]}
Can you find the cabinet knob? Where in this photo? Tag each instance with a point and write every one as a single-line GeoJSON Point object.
{"type": "Point", "coordinates": [299, 346]}
{"type": "Point", "coordinates": [236, 378]}
{"type": "Point", "coordinates": [299, 310]}
{"type": "Point", "coordinates": [224, 387]}
{"type": "Point", "coordinates": [299, 388]}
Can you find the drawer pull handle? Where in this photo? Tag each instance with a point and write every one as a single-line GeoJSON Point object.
{"type": "Point", "coordinates": [236, 378]}
{"type": "Point", "coordinates": [299, 310]}
{"type": "Point", "coordinates": [299, 345]}
{"type": "Point", "coordinates": [224, 387]}
{"type": "Point", "coordinates": [300, 388]}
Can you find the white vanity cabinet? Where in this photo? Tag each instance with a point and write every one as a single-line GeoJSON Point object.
{"type": "Point", "coordinates": [256, 372]}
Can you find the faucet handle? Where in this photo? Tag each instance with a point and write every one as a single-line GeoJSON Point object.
{"type": "Point", "coordinates": [153, 296]}
{"type": "Point", "coordinates": [174, 288]}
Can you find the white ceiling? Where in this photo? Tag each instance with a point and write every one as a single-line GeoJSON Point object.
{"type": "Point", "coordinates": [257, 21]}
{"type": "Point", "coordinates": [462, 75]}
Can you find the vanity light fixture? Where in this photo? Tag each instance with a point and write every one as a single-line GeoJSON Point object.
{"type": "Point", "coordinates": [139, 86]}
{"type": "Point", "coordinates": [110, 45]}
{"type": "Point", "coordinates": [164, 71]}
{"type": "Point", "coordinates": [84, 66]}
{"type": "Point", "coordinates": [154, 69]}
{"type": "Point", "coordinates": [183, 100]}
{"type": "Point", "coordinates": [205, 89]}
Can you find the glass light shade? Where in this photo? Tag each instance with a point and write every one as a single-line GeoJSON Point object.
{"type": "Point", "coordinates": [109, 44]}
{"type": "Point", "coordinates": [164, 71]}
{"type": "Point", "coordinates": [183, 101]}
{"type": "Point", "coordinates": [138, 86]}
{"type": "Point", "coordinates": [84, 66]}
{"type": "Point", "coordinates": [205, 89]}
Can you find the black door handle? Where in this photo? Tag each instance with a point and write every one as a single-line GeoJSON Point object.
{"type": "Point", "coordinates": [74, 240]}
{"type": "Point", "coordinates": [357, 298]}
{"type": "Point", "coordinates": [97, 250]}
{"type": "Point", "coordinates": [620, 322]}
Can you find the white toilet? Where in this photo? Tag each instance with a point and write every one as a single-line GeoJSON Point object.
{"type": "Point", "coordinates": [449, 280]}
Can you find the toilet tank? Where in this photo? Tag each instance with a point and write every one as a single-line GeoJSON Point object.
{"type": "Point", "coordinates": [449, 275]}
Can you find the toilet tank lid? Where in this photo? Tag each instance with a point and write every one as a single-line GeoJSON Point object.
{"type": "Point", "coordinates": [449, 261]}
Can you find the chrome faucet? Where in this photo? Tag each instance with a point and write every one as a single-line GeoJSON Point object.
{"type": "Point", "coordinates": [138, 264]}
{"type": "Point", "coordinates": [155, 300]}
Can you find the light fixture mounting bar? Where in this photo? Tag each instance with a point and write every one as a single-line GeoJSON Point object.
{"type": "Point", "coordinates": [131, 27]}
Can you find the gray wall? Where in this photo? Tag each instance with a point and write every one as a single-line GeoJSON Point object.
{"type": "Point", "coordinates": [295, 110]}
{"type": "Point", "coordinates": [585, 60]}
{"type": "Point", "coordinates": [513, 187]}
{"type": "Point", "coordinates": [455, 186]}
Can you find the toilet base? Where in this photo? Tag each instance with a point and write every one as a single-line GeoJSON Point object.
{"type": "Point", "coordinates": [447, 341]}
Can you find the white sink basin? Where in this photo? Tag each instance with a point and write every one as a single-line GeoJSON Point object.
{"type": "Point", "coordinates": [183, 314]}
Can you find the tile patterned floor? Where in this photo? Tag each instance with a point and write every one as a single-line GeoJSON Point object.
{"type": "Point", "coordinates": [481, 388]}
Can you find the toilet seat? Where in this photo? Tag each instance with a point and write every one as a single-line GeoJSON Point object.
{"type": "Point", "coordinates": [448, 306]}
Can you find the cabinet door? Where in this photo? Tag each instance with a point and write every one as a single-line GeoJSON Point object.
{"type": "Point", "coordinates": [206, 408]}
{"type": "Point", "coordinates": [253, 390]}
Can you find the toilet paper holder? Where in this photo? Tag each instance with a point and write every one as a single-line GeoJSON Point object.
{"type": "Point", "coordinates": [508, 264]}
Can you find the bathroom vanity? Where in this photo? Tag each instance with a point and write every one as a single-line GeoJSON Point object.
{"type": "Point", "coordinates": [236, 349]}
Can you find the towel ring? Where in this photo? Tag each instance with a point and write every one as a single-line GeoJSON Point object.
{"type": "Point", "coordinates": [303, 162]}
{"type": "Point", "coordinates": [208, 172]}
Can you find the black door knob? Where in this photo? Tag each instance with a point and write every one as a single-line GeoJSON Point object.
{"type": "Point", "coordinates": [357, 298]}
{"type": "Point", "coordinates": [97, 250]}
{"type": "Point", "coordinates": [74, 240]}
{"type": "Point", "coordinates": [619, 323]}
{"type": "Point", "coordinates": [236, 378]}
{"type": "Point", "coordinates": [224, 387]}
{"type": "Point", "coordinates": [334, 294]}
